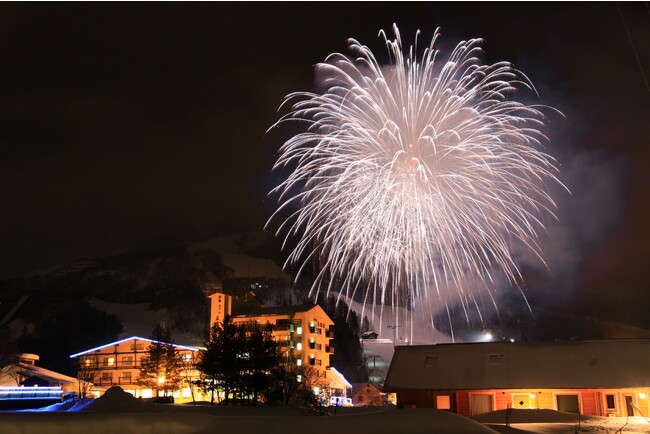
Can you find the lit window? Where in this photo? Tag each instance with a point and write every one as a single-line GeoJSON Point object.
{"type": "Point", "coordinates": [299, 330]}
{"type": "Point", "coordinates": [299, 362]}
{"type": "Point", "coordinates": [443, 402]}
{"type": "Point", "coordinates": [299, 378]}
{"type": "Point", "coordinates": [187, 357]}
{"type": "Point", "coordinates": [299, 346]}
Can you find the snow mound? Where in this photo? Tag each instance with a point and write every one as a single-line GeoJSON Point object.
{"type": "Point", "coordinates": [523, 415]}
{"type": "Point", "coordinates": [116, 399]}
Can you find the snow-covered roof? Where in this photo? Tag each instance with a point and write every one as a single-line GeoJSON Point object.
{"type": "Point", "coordinates": [584, 364]}
{"type": "Point", "coordinates": [339, 376]}
{"type": "Point", "coordinates": [50, 376]}
{"type": "Point", "coordinates": [182, 347]}
{"type": "Point", "coordinates": [10, 375]}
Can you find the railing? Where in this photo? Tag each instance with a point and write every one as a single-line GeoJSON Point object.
{"type": "Point", "coordinates": [106, 365]}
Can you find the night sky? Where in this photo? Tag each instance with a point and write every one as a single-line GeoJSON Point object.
{"type": "Point", "coordinates": [125, 124]}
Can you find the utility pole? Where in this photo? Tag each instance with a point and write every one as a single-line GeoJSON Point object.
{"type": "Point", "coordinates": [394, 327]}
{"type": "Point", "coordinates": [374, 360]}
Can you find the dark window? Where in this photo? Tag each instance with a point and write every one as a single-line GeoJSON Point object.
{"type": "Point", "coordinates": [430, 361]}
{"type": "Point", "coordinates": [611, 404]}
{"type": "Point", "coordinates": [495, 359]}
{"type": "Point", "coordinates": [568, 403]}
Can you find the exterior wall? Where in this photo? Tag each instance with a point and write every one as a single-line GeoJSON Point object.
{"type": "Point", "coordinates": [332, 384]}
{"type": "Point", "coordinates": [304, 337]}
{"type": "Point", "coordinates": [119, 365]}
{"type": "Point", "coordinates": [367, 395]}
{"type": "Point", "coordinates": [220, 306]}
{"type": "Point", "coordinates": [593, 402]}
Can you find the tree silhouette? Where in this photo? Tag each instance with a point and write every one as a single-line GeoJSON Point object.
{"type": "Point", "coordinates": [161, 367]}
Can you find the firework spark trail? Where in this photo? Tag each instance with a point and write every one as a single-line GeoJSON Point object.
{"type": "Point", "coordinates": [413, 176]}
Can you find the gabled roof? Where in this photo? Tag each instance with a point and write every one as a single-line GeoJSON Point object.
{"type": "Point", "coordinates": [585, 364]}
{"type": "Point", "coordinates": [333, 372]}
{"type": "Point", "coordinates": [132, 338]}
{"type": "Point", "coordinates": [10, 373]}
{"type": "Point", "coordinates": [45, 374]}
{"type": "Point", "coordinates": [359, 386]}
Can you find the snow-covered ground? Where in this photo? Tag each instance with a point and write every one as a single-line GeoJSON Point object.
{"type": "Point", "coordinates": [550, 421]}
{"type": "Point", "coordinates": [117, 412]}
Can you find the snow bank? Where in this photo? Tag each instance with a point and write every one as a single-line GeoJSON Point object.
{"type": "Point", "coordinates": [407, 421]}
{"type": "Point", "coordinates": [119, 412]}
{"type": "Point", "coordinates": [546, 421]}
{"type": "Point", "coordinates": [522, 415]}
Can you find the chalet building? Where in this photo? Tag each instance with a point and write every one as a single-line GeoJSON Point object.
{"type": "Point", "coordinates": [22, 371]}
{"type": "Point", "coordinates": [600, 378]}
{"type": "Point", "coordinates": [23, 384]}
{"type": "Point", "coordinates": [333, 388]}
{"type": "Point", "coordinates": [118, 364]}
{"type": "Point", "coordinates": [366, 394]}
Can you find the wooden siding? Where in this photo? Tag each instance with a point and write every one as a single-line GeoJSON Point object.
{"type": "Point", "coordinates": [590, 401]}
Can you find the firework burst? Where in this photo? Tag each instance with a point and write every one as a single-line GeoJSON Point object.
{"type": "Point", "coordinates": [413, 176]}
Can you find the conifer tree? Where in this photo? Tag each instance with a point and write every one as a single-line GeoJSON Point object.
{"type": "Point", "coordinates": [160, 368]}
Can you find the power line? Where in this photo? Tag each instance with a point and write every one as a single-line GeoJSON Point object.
{"type": "Point", "coordinates": [636, 56]}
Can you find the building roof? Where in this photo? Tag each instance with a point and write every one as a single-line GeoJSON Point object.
{"type": "Point", "coordinates": [336, 375]}
{"type": "Point", "coordinates": [359, 386]}
{"type": "Point", "coordinates": [9, 375]}
{"type": "Point", "coordinates": [132, 338]}
{"type": "Point", "coordinates": [582, 364]}
{"type": "Point", "coordinates": [280, 310]}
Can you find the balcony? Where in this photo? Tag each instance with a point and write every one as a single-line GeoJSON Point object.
{"type": "Point", "coordinates": [329, 349]}
{"type": "Point", "coordinates": [329, 334]}
{"type": "Point", "coordinates": [105, 365]}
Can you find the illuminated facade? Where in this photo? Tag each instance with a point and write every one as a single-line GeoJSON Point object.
{"type": "Point", "coordinates": [599, 378]}
{"type": "Point", "coordinates": [304, 333]}
{"type": "Point", "coordinates": [118, 364]}
{"type": "Point", "coordinates": [364, 394]}
{"type": "Point", "coordinates": [25, 385]}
